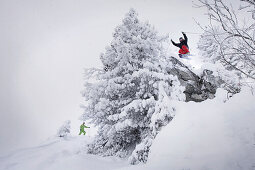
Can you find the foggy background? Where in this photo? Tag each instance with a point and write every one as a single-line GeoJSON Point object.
{"type": "Point", "coordinates": [46, 44]}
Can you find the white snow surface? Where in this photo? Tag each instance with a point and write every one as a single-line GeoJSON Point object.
{"type": "Point", "coordinates": [212, 135]}
{"type": "Point", "coordinates": [59, 154]}
{"type": "Point", "coordinates": [217, 134]}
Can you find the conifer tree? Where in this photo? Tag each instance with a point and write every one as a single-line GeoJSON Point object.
{"type": "Point", "coordinates": [64, 130]}
{"type": "Point", "coordinates": [128, 99]}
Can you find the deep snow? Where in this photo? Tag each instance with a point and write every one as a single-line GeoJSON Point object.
{"type": "Point", "coordinates": [59, 154]}
{"type": "Point", "coordinates": [212, 135]}
{"type": "Point", "coordinates": [217, 134]}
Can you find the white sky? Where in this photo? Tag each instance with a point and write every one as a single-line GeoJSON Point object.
{"type": "Point", "coordinates": [44, 46]}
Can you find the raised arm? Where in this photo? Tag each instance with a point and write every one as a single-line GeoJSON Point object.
{"type": "Point", "coordinates": [174, 43]}
{"type": "Point", "coordinates": [185, 37]}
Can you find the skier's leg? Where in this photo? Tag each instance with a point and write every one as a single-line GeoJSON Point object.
{"type": "Point", "coordinates": [84, 133]}
{"type": "Point", "coordinates": [181, 52]}
{"type": "Point", "coordinates": [80, 132]}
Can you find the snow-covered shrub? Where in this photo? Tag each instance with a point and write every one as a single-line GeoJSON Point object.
{"type": "Point", "coordinates": [229, 39]}
{"type": "Point", "coordinates": [64, 130]}
{"type": "Point", "coordinates": [208, 46]}
{"type": "Point", "coordinates": [128, 98]}
{"type": "Point", "coordinates": [210, 49]}
{"type": "Point", "coordinates": [211, 45]}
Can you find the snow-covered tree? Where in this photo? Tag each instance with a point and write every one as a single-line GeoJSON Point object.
{"type": "Point", "coordinates": [209, 47]}
{"type": "Point", "coordinates": [128, 100]}
{"type": "Point", "coordinates": [233, 41]}
{"type": "Point", "coordinates": [64, 130]}
{"type": "Point", "coordinates": [223, 75]}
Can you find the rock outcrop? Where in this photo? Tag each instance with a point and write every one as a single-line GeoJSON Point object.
{"type": "Point", "coordinates": [196, 88]}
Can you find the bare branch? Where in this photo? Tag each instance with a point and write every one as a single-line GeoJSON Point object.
{"type": "Point", "coordinates": [236, 42]}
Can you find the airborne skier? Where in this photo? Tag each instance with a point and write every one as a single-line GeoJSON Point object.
{"type": "Point", "coordinates": [183, 45]}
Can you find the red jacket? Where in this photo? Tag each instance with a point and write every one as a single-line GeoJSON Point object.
{"type": "Point", "coordinates": [184, 50]}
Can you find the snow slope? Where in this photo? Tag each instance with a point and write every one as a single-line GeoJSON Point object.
{"type": "Point", "coordinates": [212, 135]}
{"type": "Point", "coordinates": [59, 154]}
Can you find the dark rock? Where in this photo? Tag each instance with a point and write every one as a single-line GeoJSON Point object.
{"type": "Point", "coordinates": [196, 88]}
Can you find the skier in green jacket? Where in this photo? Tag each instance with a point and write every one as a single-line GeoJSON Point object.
{"type": "Point", "coordinates": [82, 127]}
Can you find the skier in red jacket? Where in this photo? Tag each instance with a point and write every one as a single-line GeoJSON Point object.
{"type": "Point", "coordinates": [183, 45]}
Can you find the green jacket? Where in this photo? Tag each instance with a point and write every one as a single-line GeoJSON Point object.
{"type": "Point", "coordinates": [82, 127]}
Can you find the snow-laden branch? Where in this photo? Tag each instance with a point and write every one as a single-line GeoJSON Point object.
{"type": "Point", "coordinates": [234, 39]}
